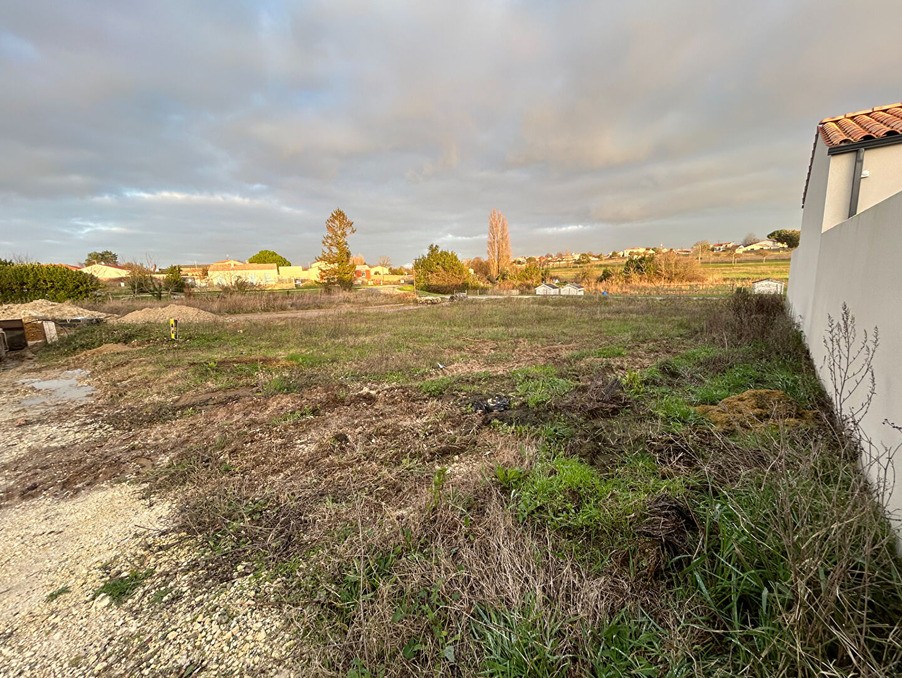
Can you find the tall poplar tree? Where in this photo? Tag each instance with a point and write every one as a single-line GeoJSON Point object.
{"type": "Point", "coordinates": [499, 245]}
{"type": "Point", "coordinates": [339, 269]}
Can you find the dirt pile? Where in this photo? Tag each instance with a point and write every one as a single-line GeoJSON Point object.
{"type": "Point", "coordinates": [754, 408]}
{"type": "Point", "coordinates": [41, 309]}
{"type": "Point", "coordinates": [184, 314]}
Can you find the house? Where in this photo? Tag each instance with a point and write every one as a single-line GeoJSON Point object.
{"type": "Point", "coordinates": [106, 273]}
{"type": "Point", "coordinates": [636, 252]}
{"type": "Point", "coordinates": [761, 245]}
{"type": "Point", "coordinates": [767, 286]}
{"type": "Point", "coordinates": [228, 272]}
{"type": "Point", "coordinates": [723, 246]}
{"type": "Point", "coordinates": [362, 273]}
{"type": "Point", "coordinates": [547, 290]}
{"type": "Point", "coordinates": [847, 264]}
{"type": "Point", "coordinates": [572, 290]}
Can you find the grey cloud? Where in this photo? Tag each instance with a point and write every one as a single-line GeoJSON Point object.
{"type": "Point", "coordinates": [210, 128]}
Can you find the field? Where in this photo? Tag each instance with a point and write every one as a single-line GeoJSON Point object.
{"type": "Point", "coordinates": [494, 488]}
{"type": "Point", "coordinates": [723, 273]}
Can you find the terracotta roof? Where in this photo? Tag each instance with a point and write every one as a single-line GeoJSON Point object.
{"type": "Point", "coordinates": [242, 267]}
{"type": "Point", "coordinates": [874, 123]}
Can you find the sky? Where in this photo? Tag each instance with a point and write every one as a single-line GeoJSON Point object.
{"type": "Point", "coordinates": [189, 132]}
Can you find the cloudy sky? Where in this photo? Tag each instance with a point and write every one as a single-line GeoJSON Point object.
{"type": "Point", "coordinates": [190, 131]}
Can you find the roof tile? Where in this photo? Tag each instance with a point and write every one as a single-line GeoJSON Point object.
{"type": "Point", "coordinates": [875, 123]}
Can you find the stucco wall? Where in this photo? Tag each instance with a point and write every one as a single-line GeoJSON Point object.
{"type": "Point", "coordinates": [857, 262]}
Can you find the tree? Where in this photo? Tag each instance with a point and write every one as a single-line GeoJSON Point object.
{"type": "Point", "coordinates": [107, 257]}
{"type": "Point", "coordinates": [440, 271]}
{"type": "Point", "coordinates": [339, 269]}
{"type": "Point", "coordinates": [700, 248]}
{"type": "Point", "coordinates": [20, 283]}
{"type": "Point", "coordinates": [384, 264]}
{"type": "Point", "coordinates": [499, 245]}
{"type": "Point", "coordinates": [750, 239]}
{"type": "Point", "coordinates": [529, 275]}
{"type": "Point", "coordinates": [173, 281]}
{"type": "Point", "coordinates": [787, 236]}
{"type": "Point", "coordinates": [480, 267]}
{"type": "Point", "coordinates": [141, 280]}
{"type": "Point", "coordinates": [269, 257]}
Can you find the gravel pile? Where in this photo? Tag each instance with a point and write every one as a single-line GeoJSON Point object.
{"type": "Point", "coordinates": [41, 309]}
{"type": "Point", "coordinates": [180, 313]}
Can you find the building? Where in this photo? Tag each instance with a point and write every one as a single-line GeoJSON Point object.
{"type": "Point", "coordinates": [767, 286]}
{"type": "Point", "coordinates": [761, 245]}
{"type": "Point", "coordinates": [547, 290]}
{"type": "Point", "coordinates": [848, 258]}
{"type": "Point", "coordinates": [228, 272]}
{"type": "Point", "coordinates": [106, 273]}
{"type": "Point", "coordinates": [572, 290]}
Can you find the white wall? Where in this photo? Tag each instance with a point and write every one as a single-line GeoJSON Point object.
{"type": "Point", "coordinates": [858, 262]}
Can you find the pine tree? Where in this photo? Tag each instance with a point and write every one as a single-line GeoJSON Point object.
{"type": "Point", "coordinates": [339, 269]}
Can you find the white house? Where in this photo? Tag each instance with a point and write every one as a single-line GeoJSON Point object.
{"type": "Point", "coordinates": [547, 289]}
{"type": "Point", "coordinates": [767, 286]}
{"type": "Point", "coordinates": [849, 254]}
{"type": "Point", "coordinates": [572, 290]}
{"type": "Point", "coordinates": [761, 245]}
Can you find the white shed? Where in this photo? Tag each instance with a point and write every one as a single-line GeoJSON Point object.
{"type": "Point", "coordinates": [547, 289]}
{"type": "Point", "coordinates": [767, 286]}
{"type": "Point", "coordinates": [572, 289]}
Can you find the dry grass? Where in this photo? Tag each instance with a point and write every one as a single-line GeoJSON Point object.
{"type": "Point", "coordinates": [254, 302]}
{"type": "Point", "coordinates": [588, 530]}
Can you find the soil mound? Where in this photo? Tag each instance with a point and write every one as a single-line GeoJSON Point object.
{"type": "Point", "coordinates": [754, 408]}
{"type": "Point", "coordinates": [107, 348]}
{"type": "Point", "coordinates": [185, 314]}
{"type": "Point", "coordinates": [42, 309]}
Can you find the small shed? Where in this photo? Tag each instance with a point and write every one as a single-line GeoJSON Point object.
{"type": "Point", "coordinates": [572, 289]}
{"type": "Point", "coordinates": [768, 286]}
{"type": "Point", "coordinates": [547, 289]}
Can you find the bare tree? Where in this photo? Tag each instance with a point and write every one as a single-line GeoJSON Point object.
{"type": "Point", "coordinates": [499, 245]}
{"type": "Point", "coordinates": [385, 264]}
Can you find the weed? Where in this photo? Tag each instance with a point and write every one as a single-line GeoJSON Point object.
{"type": "Point", "coordinates": [120, 588]}
{"type": "Point", "coordinates": [283, 383]}
{"type": "Point", "coordinates": [438, 387]}
{"type": "Point", "coordinates": [61, 591]}
{"type": "Point", "coordinates": [519, 643]}
{"type": "Point", "coordinates": [540, 385]}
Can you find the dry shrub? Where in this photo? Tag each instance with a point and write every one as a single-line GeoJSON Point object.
{"type": "Point", "coordinates": [746, 318]}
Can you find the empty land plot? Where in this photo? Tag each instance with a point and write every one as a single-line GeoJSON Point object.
{"type": "Point", "coordinates": [547, 487]}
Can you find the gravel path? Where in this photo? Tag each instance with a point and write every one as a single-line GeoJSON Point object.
{"type": "Point", "coordinates": [58, 551]}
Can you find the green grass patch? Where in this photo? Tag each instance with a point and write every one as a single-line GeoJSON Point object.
{"type": "Point", "coordinates": [61, 591]}
{"type": "Point", "coordinates": [540, 385]}
{"type": "Point", "coordinates": [120, 588]}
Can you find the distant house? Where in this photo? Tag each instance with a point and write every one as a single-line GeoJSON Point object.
{"type": "Point", "coordinates": [767, 286]}
{"type": "Point", "coordinates": [572, 290]}
{"type": "Point", "coordinates": [636, 251]}
{"type": "Point", "coordinates": [228, 272]}
{"type": "Point", "coordinates": [723, 246]}
{"type": "Point", "coordinates": [106, 273]}
{"type": "Point", "coordinates": [761, 245]}
{"type": "Point", "coordinates": [547, 290]}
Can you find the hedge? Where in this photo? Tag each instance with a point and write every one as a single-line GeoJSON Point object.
{"type": "Point", "coordinates": [21, 283]}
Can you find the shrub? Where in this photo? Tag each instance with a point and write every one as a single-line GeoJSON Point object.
{"type": "Point", "coordinates": [21, 283]}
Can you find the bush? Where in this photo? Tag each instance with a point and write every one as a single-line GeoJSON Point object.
{"type": "Point", "coordinates": [21, 283]}
{"type": "Point", "coordinates": [441, 271]}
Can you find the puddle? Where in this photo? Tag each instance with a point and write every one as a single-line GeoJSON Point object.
{"type": "Point", "coordinates": [64, 388]}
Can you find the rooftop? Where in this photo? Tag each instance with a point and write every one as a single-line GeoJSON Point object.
{"type": "Point", "coordinates": [874, 123]}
